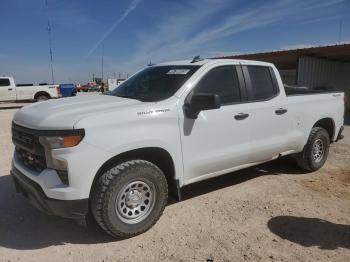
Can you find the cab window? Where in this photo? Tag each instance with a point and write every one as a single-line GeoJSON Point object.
{"type": "Point", "coordinates": [4, 82]}
{"type": "Point", "coordinates": [262, 86]}
{"type": "Point", "coordinates": [222, 81]}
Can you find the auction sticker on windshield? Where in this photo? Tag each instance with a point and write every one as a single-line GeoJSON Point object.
{"type": "Point", "coordinates": [178, 71]}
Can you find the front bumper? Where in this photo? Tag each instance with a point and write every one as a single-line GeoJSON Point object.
{"type": "Point", "coordinates": [74, 209]}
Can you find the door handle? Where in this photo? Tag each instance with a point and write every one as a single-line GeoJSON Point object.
{"type": "Point", "coordinates": [281, 111]}
{"type": "Point", "coordinates": [241, 116]}
{"type": "Point", "coordinates": [9, 89]}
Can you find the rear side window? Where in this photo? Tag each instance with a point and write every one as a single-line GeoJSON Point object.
{"type": "Point", "coordinates": [222, 81]}
{"type": "Point", "coordinates": [4, 82]}
{"type": "Point", "coordinates": [262, 84]}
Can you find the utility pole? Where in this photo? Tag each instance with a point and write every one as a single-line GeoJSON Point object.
{"type": "Point", "coordinates": [340, 30]}
{"type": "Point", "coordinates": [50, 42]}
{"type": "Point", "coordinates": [103, 51]}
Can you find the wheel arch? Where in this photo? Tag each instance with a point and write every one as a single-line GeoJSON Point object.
{"type": "Point", "coordinates": [328, 124]}
{"type": "Point", "coordinates": [156, 155]}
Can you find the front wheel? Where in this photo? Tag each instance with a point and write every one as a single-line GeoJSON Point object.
{"type": "Point", "coordinates": [315, 152]}
{"type": "Point", "coordinates": [129, 198]}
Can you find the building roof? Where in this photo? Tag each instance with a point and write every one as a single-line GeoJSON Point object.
{"type": "Point", "coordinates": [288, 59]}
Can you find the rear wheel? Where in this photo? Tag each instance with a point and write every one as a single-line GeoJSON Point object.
{"type": "Point", "coordinates": [42, 98]}
{"type": "Point", "coordinates": [315, 152]}
{"type": "Point", "coordinates": [129, 198]}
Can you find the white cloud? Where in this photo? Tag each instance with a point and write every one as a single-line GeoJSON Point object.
{"type": "Point", "coordinates": [320, 19]}
{"type": "Point", "coordinates": [179, 36]}
{"type": "Point", "coordinates": [323, 4]}
{"type": "Point", "coordinates": [183, 34]}
{"type": "Point", "coordinates": [124, 15]}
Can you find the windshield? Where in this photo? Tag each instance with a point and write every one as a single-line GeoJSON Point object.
{"type": "Point", "coordinates": [154, 83]}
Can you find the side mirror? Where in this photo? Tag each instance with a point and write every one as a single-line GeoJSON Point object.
{"type": "Point", "coordinates": [200, 102]}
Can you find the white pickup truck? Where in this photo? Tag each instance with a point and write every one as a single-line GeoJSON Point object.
{"type": "Point", "coordinates": [9, 91]}
{"type": "Point", "coordinates": [167, 126]}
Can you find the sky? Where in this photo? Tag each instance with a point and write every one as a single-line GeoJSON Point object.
{"type": "Point", "coordinates": [132, 33]}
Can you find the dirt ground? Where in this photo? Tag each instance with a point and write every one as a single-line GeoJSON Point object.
{"type": "Point", "coordinates": [273, 212]}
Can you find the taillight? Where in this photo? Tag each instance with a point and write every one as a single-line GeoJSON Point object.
{"type": "Point", "coordinates": [58, 89]}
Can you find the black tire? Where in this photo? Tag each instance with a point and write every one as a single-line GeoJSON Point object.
{"type": "Point", "coordinates": [40, 98]}
{"type": "Point", "coordinates": [111, 185]}
{"type": "Point", "coordinates": [307, 159]}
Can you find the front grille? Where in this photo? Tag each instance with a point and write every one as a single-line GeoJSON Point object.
{"type": "Point", "coordinates": [28, 150]}
{"type": "Point", "coordinates": [24, 139]}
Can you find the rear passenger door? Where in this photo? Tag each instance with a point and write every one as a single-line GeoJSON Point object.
{"type": "Point", "coordinates": [268, 112]}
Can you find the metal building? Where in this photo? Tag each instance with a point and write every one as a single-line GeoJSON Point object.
{"type": "Point", "coordinates": [324, 67]}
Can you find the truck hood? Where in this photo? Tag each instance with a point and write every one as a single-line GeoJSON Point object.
{"type": "Point", "coordinates": [64, 113]}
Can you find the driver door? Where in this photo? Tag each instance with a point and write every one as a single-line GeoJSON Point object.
{"type": "Point", "coordinates": [219, 139]}
{"type": "Point", "coordinates": [7, 92]}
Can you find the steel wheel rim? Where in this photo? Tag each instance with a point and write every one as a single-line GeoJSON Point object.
{"type": "Point", "coordinates": [318, 150]}
{"type": "Point", "coordinates": [135, 201]}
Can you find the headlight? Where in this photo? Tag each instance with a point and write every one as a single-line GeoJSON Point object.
{"type": "Point", "coordinates": [58, 140]}
{"type": "Point", "coordinates": [55, 142]}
